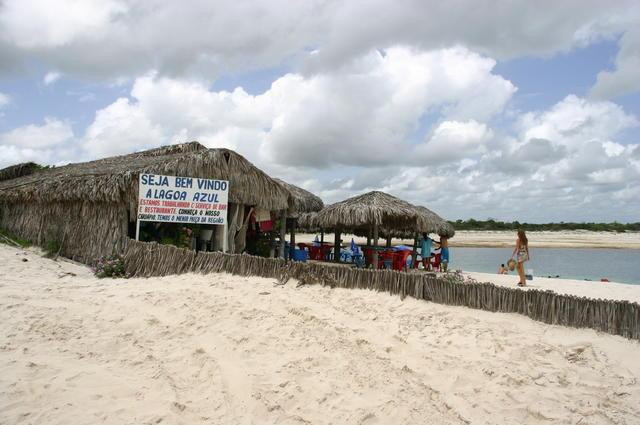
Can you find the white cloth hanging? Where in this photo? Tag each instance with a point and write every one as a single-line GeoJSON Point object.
{"type": "Point", "coordinates": [262, 215]}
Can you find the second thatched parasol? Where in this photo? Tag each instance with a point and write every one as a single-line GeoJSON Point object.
{"type": "Point", "coordinates": [374, 211]}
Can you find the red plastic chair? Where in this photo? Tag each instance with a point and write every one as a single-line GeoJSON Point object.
{"type": "Point", "coordinates": [436, 259]}
{"type": "Point", "coordinates": [368, 255]}
{"type": "Point", "coordinates": [400, 259]}
{"type": "Point", "coordinates": [326, 252]}
{"type": "Point", "coordinates": [385, 256]}
{"type": "Point", "coordinates": [315, 253]}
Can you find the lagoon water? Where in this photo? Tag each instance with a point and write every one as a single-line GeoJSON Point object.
{"type": "Point", "coordinates": [618, 265]}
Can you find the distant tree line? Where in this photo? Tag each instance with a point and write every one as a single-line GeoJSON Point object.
{"type": "Point", "coordinates": [491, 224]}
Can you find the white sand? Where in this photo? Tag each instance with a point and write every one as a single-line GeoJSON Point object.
{"type": "Point", "coordinates": [582, 288]}
{"type": "Point", "coordinates": [499, 239]}
{"type": "Point", "coordinates": [222, 349]}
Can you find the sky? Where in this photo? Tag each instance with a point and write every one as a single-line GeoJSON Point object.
{"type": "Point", "coordinates": [511, 110]}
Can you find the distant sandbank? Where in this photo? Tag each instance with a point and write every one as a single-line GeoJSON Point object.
{"type": "Point", "coordinates": [547, 239]}
{"type": "Point", "coordinates": [500, 239]}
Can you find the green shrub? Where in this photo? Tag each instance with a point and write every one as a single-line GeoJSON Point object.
{"type": "Point", "coordinates": [113, 266]}
{"type": "Point", "coordinates": [9, 238]}
{"type": "Point", "coordinates": [51, 247]}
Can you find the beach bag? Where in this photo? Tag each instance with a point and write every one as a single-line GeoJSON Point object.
{"type": "Point", "coordinates": [529, 274]}
{"type": "Point", "coordinates": [511, 264]}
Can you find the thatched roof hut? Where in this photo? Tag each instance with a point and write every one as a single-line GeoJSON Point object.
{"type": "Point", "coordinates": [89, 207]}
{"type": "Point", "coordinates": [300, 200]}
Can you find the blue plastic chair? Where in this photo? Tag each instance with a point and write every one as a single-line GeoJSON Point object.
{"type": "Point", "coordinates": [358, 259]}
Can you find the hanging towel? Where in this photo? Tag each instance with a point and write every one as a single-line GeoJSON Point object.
{"type": "Point", "coordinates": [262, 215]}
{"type": "Point", "coordinates": [266, 226]}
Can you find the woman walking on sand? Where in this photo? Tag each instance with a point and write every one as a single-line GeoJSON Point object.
{"type": "Point", "coordinates": [522, 251]}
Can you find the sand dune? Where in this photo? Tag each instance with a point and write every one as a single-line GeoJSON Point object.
{"type": "Point", "coordinates": [223, 349]}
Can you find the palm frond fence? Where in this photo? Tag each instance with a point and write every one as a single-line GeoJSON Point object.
{"type": "Point", "coordinates": [147, 259]}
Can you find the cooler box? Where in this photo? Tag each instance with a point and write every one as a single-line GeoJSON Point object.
{"type": "Point", "coordinates": [300, 255]}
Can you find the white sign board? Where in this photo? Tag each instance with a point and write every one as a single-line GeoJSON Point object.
{"type": "Point", "coordinates": [186, 200]}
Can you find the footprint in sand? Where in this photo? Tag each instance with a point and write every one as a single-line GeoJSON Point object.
{"type": "Point", "coordinates": [369, 419]}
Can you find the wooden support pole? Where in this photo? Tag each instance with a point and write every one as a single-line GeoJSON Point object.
{"type": "Point", "coordinates": [336, 247]}
{"type": "Point", "coordinates": [369, 236]}
{"type": "Point", "coordinates": [283, 233]}
{"type": "Point", "coordinates": [225, 237]}
{"type": "Point", "coordinates": [292, 242]}
{"type": "Point", "coordinates": [321, 236]}
{"type": "Point", "coordinates": [375, 245]}
{"type": "Point", "coordinates": [414, 254]}
{"type": "Point", "coordinates": [389, 241]}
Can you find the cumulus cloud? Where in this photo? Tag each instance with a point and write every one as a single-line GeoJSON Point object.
{"type": "Point", "coordinates": [363, 113]}
{"type": "Point", "coordinates": [47, 143]}
{"type": "Point", "coordinates": [455, 140]}
{"type": "Point", "coordinates": [359, 114]}
{"type": "Point", "coordinates": [116, 38]}
{"type": "Point", "coordinates": [37, 24]}
{"type": "Point", "coordinates": [51, 77]}
{"type": "Point", "coordinates": [563, 145]}
{"type": "Point", "coordinates": [575, 120]}
{"type": "Point", "coordinates": [556, 159]}
{"type": "Point", "coordinates": [4, 99]}
{"type": "Point", "coordinates": [50, 134]}
{"type": "Point", "coordinates": [624, 78]}
{"type": "Point", "coordinates": [416, 123]}
{"type": "Point", "coordinates": [121, 127]}
{"type": "Point", "coordinates": [578, 170]}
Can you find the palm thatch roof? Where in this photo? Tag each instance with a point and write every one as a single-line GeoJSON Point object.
{"type": "Point", "coordinates": [442, 226]}
{"type": "Point", "coordinates": [300, 200]}
{"type": "Point", "coordinates": [19, 170]}
{"type": "Point", "coordinates": [393, 216]}
{"type": "Point", "coordinates": [307, 222]}
{"type": "Point", "coordinates": [115, 179]}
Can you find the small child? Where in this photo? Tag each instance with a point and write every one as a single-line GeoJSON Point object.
{"type": "Point", "coordinates": [502, 269]}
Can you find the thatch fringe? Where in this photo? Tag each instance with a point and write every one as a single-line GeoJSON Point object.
{"type": "Point", "coordinates": [614, 317]}
{"type": "Point", "coordinates": [18, 170]}
{"type": "Point", "coordinates": [392, 215]}
{"type": "Point", "coordinates": [300, 200]}
{"type": "Point", "coordinates": [83, 231]}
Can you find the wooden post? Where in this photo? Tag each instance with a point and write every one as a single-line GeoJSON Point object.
{"type": "Point", "coordinates": [375, 245]}
{"type": "Point", "coordinates": [389, 241]}
{"type": "Point", "coordinates": [414, 254]}
{"type": "Point", "coordinates": [292, 242]}
{"type": "Point", "coordinates": [283, 233]}
{"type": "Point", "coordinates": [321, 236]}
{"type": "Point", "coordinates": [369, 236]}
{"type": "Point", "coordinates": [225, 237]}
{"type": "Point", "coordinates": [336, 247]}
